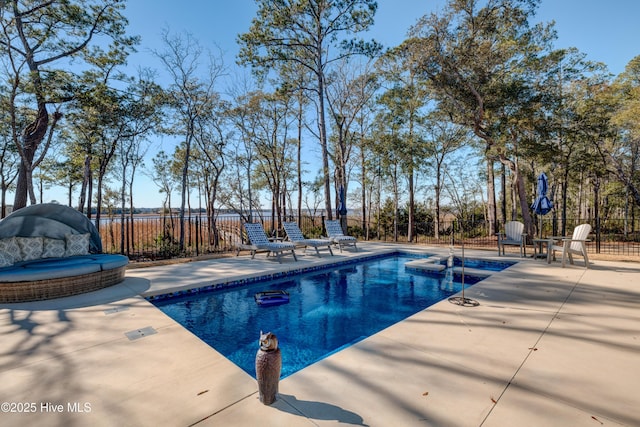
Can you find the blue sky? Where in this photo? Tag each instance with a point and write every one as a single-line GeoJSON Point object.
{"type": "Point", "coordinates": [607, 31]}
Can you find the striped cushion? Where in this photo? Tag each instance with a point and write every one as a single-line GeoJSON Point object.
{"type": "Point", "coordinates": [279, 246]}
{"type": "Point", "coordinates": [293, 231]}
{"type": "Point", "coordinates": [256, 234]}
{"type": "Point", "coordinates": [333, 228]}
{"type": "Point", "coordinates": [343, 238]}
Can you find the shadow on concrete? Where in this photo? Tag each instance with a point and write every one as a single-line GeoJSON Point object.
{"type": "Point", "coordinates": [130, 287]}
{"type": "Point", "coordinates": [317, 410]}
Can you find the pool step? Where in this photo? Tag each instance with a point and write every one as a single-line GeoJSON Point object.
{"type": "Point", "coordinates": [426, 264]}
{"type": "Point", "coordinates": [472, 271]}
{"type": "Point", "coordinates": [433, 264]}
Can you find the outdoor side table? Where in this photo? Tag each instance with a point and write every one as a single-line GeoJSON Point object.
{"type": "Point", "coordinates": [541, 247]}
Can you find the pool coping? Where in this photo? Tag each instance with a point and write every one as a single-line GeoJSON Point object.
{"type": "Point", "coordinates": [531, 353]}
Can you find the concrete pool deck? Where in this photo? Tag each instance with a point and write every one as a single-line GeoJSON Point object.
{"type": "Point", "coordinates": [546, 346]}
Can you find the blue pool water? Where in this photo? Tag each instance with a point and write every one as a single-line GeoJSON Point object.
{"type": "Point", "coordinates": [481, 264]}
{"type": "Point", "coordinates": [328, 310]}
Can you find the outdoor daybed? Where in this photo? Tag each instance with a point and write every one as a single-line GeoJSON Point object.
{"type": "Point", "coordinates": [51, 251]}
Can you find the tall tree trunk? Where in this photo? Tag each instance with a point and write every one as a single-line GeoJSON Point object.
{"type": "Point", "coordinates": [32, 136]}
{"type": "Point", "coordinates": [86, 178]}
{"type": "Point", "coordinates": [565, 187]}
{"type": "Point", "coordinates": [524, 202]}
{"type": "Point", "coordinates": [249, 191]}
{"type": "Point", "coordinates": [519, 194]}
{"type": "Point", "coordinates": [412, 207]}
{"type": "Point", "coordinates": [491, 197]}
{"type": "Point", "coordinates": [513, 194]}
{"type": "Point", "coordinates": [20, 197]}
{"type": "Point", "coordinates": [123, 204]}
{"type": "Point", "coordinates": [90, 194]}
{"type": "Point", "coordinates": [439, 182]}
{"type": "Point", "coordinates": [322, 125]}
{"type": "Point", "coordinates": [299, 162]}
{"type": "Point", "coordinates": [396, 202]}
{"type": "Point", "coordinates": [596, 211]}
{"type": "Point", "coordinates": [185, 190]}
{"type": "Point", "coordinates": [3, 201]}
{"type": "Point", "coordinates": [131, 214]}
{"type": "Point", "coordinates": [503, 188]}
{"type": "Point", "coordinates": [99, 202]}
{"type": "Point", "coordinates": [363, 195]}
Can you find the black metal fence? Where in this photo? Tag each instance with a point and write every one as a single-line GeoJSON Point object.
{"type": "Point", "coordinates": [146, 238]}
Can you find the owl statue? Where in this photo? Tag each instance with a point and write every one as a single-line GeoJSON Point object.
{"type": "Point", "coordinates": [268, 367]}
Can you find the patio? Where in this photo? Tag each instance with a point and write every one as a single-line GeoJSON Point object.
{"type": "Point", "coordinates": [546, 346]}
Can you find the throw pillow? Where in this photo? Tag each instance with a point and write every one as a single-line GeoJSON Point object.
{"type": "Point", "coordinates": [10, 246]}
{"type": "Point", "coordinates": [53, 248]}
{"type": "Point", "coordinates": [77, 244]}
{"type": "Point", "coordinates": [6, 259]}
{"type": "Point", "coordinates": [30, 247]}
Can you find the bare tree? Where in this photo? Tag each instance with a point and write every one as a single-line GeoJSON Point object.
{"type": "Point", "coordinates": [350, 88]}
{"type": "Point", "coordinates": [304, 32]}
{"type": "Point", "coordinates": [191, 94]}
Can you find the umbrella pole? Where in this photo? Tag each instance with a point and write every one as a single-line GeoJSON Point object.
{"type": "Point", "coordinates": [462, 277]}
{"type": "Point", "coordinates": [463, 301]}
{"type": "Point", "coordinates": [539, 226]}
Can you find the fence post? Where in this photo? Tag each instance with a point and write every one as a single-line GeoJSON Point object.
{"type": "Point", "coordinates": [598, 235]}
{"type": "Point", "coordinates": [198, 234]}
{"type": "Point", "coordinates": [127, 236]}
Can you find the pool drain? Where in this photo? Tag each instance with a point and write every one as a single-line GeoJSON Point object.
{"type": "Point", "coordinates": [140, 333]}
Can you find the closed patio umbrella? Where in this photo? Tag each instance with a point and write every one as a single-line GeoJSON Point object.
{"type": "Point", "coordinates": [342, 209]}
{"type": "Point", "coordinates": [542, 205]}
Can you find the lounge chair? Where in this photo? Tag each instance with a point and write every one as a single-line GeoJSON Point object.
{"type": "Point", "coordinates": [260, 242]}
{"type": "Point", "coordinates": [571, 245]}
{"type": "Point", "coordinates": [513, 235]}
{"type": "Point", "coordinates": [297, 238]}
{"type": "Point", "coordinates": [335, 234]}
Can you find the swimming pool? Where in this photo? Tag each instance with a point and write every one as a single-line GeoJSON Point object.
{"type": "Point", "coordinates": [329, 310]}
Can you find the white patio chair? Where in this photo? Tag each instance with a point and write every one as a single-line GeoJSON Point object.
{"type": "Point", "coordinates": [260, 241]}
{"type": "Point", "coordinates": [294, 234]}
{"type": "Point", "coordinates": [513, 235]}
{"type": "Point", "coordinates": [335, 234]}
{"type": "Point", "coordinates": [576, 244]}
